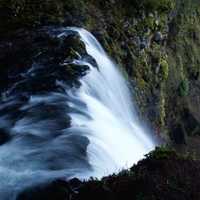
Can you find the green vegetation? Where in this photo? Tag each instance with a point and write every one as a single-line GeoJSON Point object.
{"type": "Point", "coordinates": [151, 5]}
{"type": "Point", "coordinates": [158, 5]}
{"type": "Point", "coordinates": [15, 14]}
{"type": "Point", "coordinates": [159, 176]}
{"type": "Point", "coordinates": [162, 109]}
{"type": "Point", "coordinates": [184, 88]}
{"type": "Point", "coordinates": [164, 69]}
{"type": "Point", "coordinates": [162, 152]}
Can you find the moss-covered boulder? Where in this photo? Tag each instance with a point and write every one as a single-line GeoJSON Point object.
{"type": "Point", "coordinates": [37, 59]}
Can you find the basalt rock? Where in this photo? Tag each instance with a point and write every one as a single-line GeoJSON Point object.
{"type": "Point", "coordinates": [158, 37]}
{"type": "Point", "coordinates": [36, 59]}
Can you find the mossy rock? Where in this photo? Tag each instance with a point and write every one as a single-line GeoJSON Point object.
{"type": "Point", "coordinates": [184, 88]}
{"type": "Point", "coordinates": [159, 5]}
{"type": "Point", "coordinates": [162, 152]}
{"type": "Point", "coordinates": [17, 14]}
{"type": "Point", "coordinates": [73, 47]}
{"type": "Point", "coordinates": [164, 69]}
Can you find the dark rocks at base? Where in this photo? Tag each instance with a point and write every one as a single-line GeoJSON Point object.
{"type": "Point", "coordinates": [4, 136]}
{"type": "Point", "coordinates": [94, 190]}
{"type": "Point", "coordinates": [161, 175]}
{"type": "Point", "coordinates": [57, 190]}
{"type": "Point", "coordinates": [75, 183]}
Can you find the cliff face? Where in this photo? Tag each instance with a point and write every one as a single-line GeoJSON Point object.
{"type": "Point", "coordinates": [156, 43]}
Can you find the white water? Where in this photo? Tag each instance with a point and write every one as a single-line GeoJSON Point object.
{"type": "Point", "coordinates": [116, 138]}
{"type": "Point", "coordinates": [42, 150]}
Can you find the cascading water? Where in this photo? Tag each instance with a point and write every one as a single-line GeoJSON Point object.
{"type": "Point", "coordinates": [104, 134]}
{"type": "Point", "coordinates": [116, 138]}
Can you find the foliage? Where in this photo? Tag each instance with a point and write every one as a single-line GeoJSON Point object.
{"type": "Point", "coordinates": [164, 68]}
{"type": "Point", "coordinates": [162, 109]}
{"type": "Point", "coordinates": [152, 5]}
{"type": "Point", "coordinates": [159, 5]}
{"type": "Point", "coordinates": [16, 14]}
{"type": "Point", "coordinates": [162, 152]}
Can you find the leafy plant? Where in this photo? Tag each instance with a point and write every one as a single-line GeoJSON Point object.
{"type": "Point", "coordinates": [164, 69]}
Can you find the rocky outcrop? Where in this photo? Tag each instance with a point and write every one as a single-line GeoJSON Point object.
{"type": "Point", "coordinates": [39, 58]}
{"type": "Point", "coordinates": [4, 136]}
{"type": "Point", "coordinates": [162, 175]}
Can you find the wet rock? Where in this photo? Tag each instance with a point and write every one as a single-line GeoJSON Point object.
{"type": "Point", "coordinates": [4, 136]}
{"type": "Point", "coordinates": [191, 124]}
{"type": "Point", "coordinates": [57, 190]}
{"type": "Point", "coordinates": [75, 184]}
{"type": "Point", "coordinates": [75, 46]}
{"type": "Point", "coordinates": [157, 69]}
{"type": "Point", "coordinates": [143, 43]}
{"type": "Point", "coordinates": [158, 37]}
{"type": "Point", "coordinates": [177, 134]}
{"type": "Point", "coordinates": [36, 69]}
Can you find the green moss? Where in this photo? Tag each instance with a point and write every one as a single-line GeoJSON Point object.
{"type": "Point", "coordinates": [141, 83]}
{"type": "Point", "coordinates": [159, 5]}
{"type": "Point", "coordinates": [15, 14]}
{"type": "Point", "coordinates": [156, 53]}
{"type": "Point", "coordinates": [184, 88]}
{"type": "Point", "coordinates": [163, 152]}
{"type": "Point", "coordinates": [146, 24]}
{"type": "Point", "coordinates": [164, 69]}
{"type": "Point", "coordinates": [142, 73]}
{"type": "Point", "coordinates": [151, 5]}
{"type": "Point", "coordinates": [162, 109]}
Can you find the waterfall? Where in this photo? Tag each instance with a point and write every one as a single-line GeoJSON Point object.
{"type": "Point", "coordinates": [104, 136]}
{"type": "Point", "coordinates": [116, 138]}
